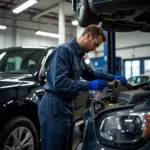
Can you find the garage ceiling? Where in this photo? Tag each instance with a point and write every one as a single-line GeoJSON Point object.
{"type": "Point", "coordinates": [44, 8]}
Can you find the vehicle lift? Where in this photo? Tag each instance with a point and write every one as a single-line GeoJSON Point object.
{"type": "Point", "coordinates": [110, 52]}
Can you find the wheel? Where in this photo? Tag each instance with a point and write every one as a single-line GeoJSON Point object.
{"type": "Point", "coordinates": [19, 134]}
{"type": "Point", "coordinates": [84, 15]}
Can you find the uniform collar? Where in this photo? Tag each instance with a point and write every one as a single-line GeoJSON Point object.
{"type": "Point", "coordinates": [77, 47]}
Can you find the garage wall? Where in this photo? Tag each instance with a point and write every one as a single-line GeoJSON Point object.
{"type": "Point", "coordinates": [128, 45]}
{"type": "Point", "coordinates": [6, 38]}
{"type": "Point", "coordinates": [137, 44]}
{"type": "Point", "coordinates": [22, 36]}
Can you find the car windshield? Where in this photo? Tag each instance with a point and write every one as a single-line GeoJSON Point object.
{"type": "Point", "coordinates": [138, 79]}
{"type": "Point", "coordinates": [19, 60]}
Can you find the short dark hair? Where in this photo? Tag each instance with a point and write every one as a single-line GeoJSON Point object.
{"type": "Point", "coordinates": [95, 31]}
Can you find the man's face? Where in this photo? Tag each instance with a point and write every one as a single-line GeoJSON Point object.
{"type": "Point", "coordinates": [90, 43]}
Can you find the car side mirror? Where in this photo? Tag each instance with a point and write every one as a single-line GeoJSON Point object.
{"type": "Point", "coordinates": [43, 77]}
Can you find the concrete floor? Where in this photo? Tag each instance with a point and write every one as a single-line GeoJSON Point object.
{"type": "Point", "coordinates": [77, 137]}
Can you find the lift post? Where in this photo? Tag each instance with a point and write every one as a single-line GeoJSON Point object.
{"type": "Point", "coordinates": [110, 53]}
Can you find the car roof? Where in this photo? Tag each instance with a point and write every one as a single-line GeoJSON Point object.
{"type": "Point", "coordinates": [142, 75]}
{"type": "Point", "coordinates": [28, 47]}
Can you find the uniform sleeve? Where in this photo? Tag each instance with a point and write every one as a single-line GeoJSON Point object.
{"type": "Point", "coordinates": [60, 70]}
{"type": "Point", "coordinates": [89, 74]}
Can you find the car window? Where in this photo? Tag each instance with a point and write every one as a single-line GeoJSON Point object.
{"type": "Point", "coordinates": [19, 60]}
{"type": "Point", "coordinates": [13, 63]}
{"type": "Point", "coordinates": [138, 79]}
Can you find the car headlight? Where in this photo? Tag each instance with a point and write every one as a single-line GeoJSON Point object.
{"type": "Point", "coordinates": [123, 128]}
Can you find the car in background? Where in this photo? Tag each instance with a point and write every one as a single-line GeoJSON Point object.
{"type": "Point", "coordinates": [138, 79]}
{"type": "Point", "coordinates": [115, 15]}
{"type": "Point", "coordinates": [22, 76]}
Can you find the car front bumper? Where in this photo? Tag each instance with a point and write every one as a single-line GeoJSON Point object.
{"type": "Point", "coordinates": [90, 141]}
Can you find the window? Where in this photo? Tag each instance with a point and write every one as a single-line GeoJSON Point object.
{"type": "Point", "coordinates": [13, 63]}
{"type": "Point", "coordinates": [132, 68]}
{"type": "Point", "coordinates": [19, 60]}
{"type": "Point", "coordinates": [147, 66]}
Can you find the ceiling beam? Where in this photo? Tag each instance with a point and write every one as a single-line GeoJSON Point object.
{"type": "Point", "coordinates": [47, 10]}
{"type": "Point", "coordinates": [51, 15]}
{"type": "Point", "coordinates": [6, 3]}
{"type": "Point", "coordinates": [9, 3]}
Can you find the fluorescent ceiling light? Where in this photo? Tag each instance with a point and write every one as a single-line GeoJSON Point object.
{"type": "Point", "coordinates": [54, 35]}
{"type": "Point", "coordinates": [3, 27]}
{"type": "Point", "coordinates": [75, 22]}
{"type": "Point", "coordinates": [24, 6]}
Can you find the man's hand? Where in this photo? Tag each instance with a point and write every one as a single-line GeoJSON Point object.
{"type": "Point", "coordinates": [97, 84]}
{"type": "Point", "coordinates": [121, 78]}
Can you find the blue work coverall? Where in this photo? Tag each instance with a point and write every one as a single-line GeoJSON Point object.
{"type": "Point", "coordinates": [56, 114]}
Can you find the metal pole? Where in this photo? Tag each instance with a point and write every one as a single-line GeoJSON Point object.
{"type": "Point", "coordinates": [110, 53]}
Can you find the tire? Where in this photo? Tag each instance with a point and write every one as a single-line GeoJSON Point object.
{"type": "Point", "coordinates": [23, 127]}
{"type": "Point", "coordinates": [86, 17]}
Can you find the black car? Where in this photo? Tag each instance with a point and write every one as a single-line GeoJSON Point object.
{"type": "Point", "coordinates": [115, 15]}
{"type": "Point", "coordinates": [22, 76]}
{"type": "Point", "coordinates": [121, 125]}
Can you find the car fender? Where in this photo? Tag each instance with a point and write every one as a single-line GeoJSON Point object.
{"type": "Point", "coordinates": [24, 108]}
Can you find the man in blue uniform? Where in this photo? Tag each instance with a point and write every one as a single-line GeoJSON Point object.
{"type": "Point", "coordinates": [63, 85]}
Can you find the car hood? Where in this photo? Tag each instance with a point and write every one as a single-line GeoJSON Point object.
{"type": "Point", "coordinates": [14, 80]}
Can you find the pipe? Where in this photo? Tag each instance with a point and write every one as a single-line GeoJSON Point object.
{"type": "Point", "coordinates": [134, 46]}
{"type": "Point", "coordinates": [30, 29]}
{"type": "Point", "coordinates": [127, 47]}
{"type": "Point", "coordinates": [22, 19]}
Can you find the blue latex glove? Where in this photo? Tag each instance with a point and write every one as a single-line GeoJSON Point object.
{"type": "Point", "coordinates": [121, 78]}
{"type": "Point", "coordinates": [97, 84]}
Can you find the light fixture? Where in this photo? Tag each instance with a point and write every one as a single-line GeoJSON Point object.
{"type": "Point", "coordinates": [24, 6]}
{"type": "Point", "coordinates": [54, 35]}
{"type": "Point", "coordinates": [75, 22]}
{"type": "Point", "coordinates": [3, 27]}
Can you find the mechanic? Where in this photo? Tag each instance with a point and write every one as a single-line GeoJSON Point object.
{"type": "Point", "coordinates": [63, 84]}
